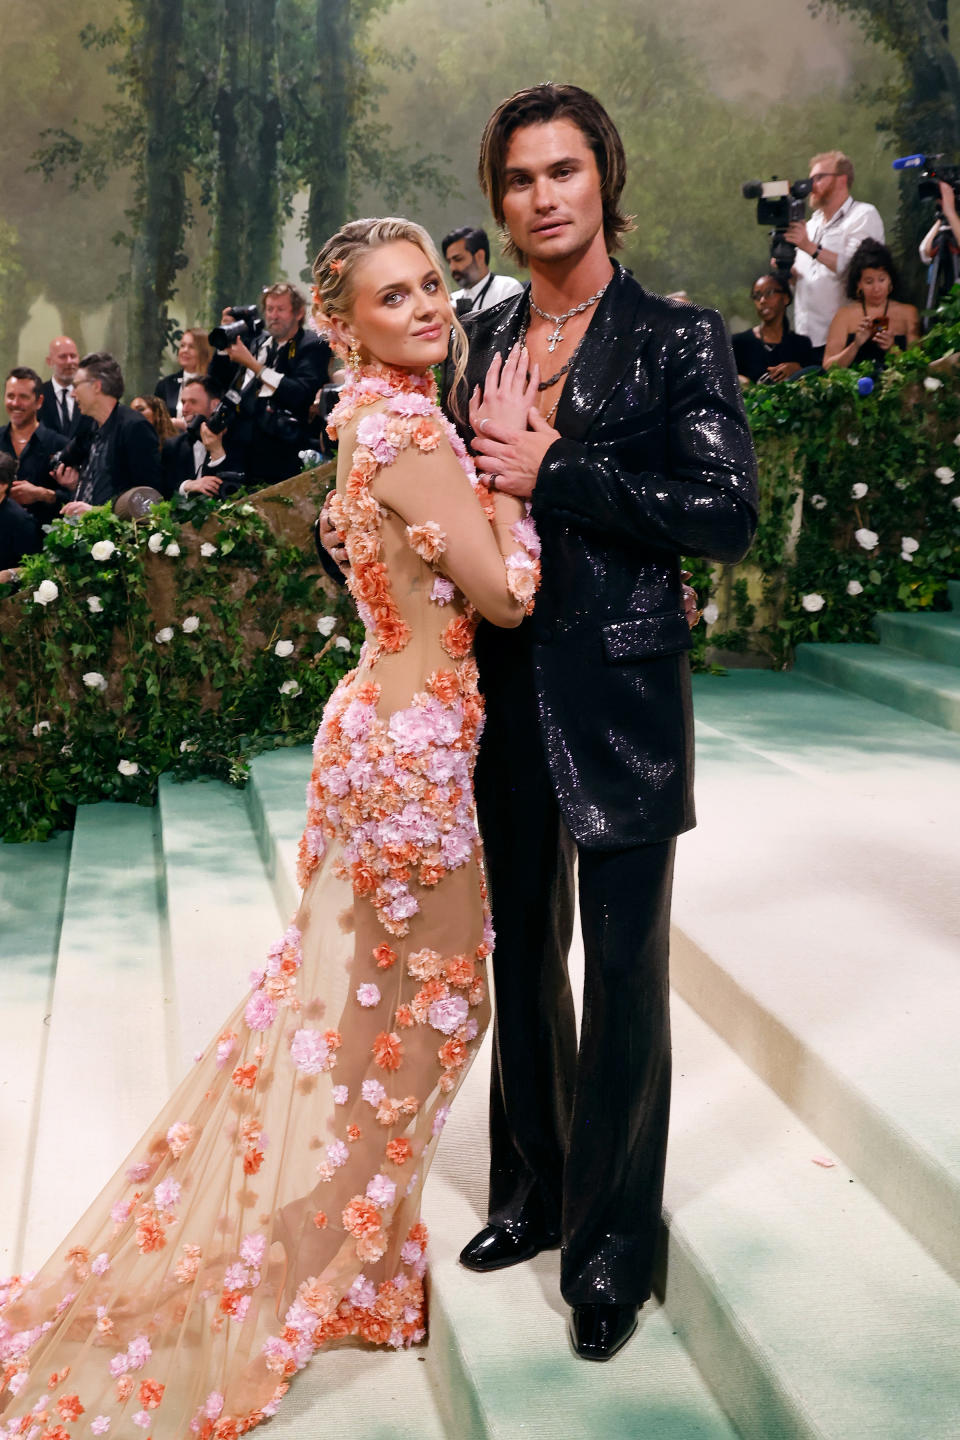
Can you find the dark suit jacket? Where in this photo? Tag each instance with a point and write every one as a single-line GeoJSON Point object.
{"type": "Point", "coordinates": [131, 457]}
{"type": "Point", "coordinates": [49, 415]}
{"type": "Point", "coordinates": [33, 464]}
{"type": "Point", "coordinates": [19, 534]}
{"type": "Point", "coordinates": [251, 445]}
{"type": "Point", "coordinates": [168, 389]}
{"type": "Point", "coordinates": [655, 462]}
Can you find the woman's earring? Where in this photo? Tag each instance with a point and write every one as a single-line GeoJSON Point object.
{"type": "Point", "coordinates": [353, 358]}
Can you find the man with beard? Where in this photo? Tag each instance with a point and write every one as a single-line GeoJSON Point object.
{"type": "Point", "coordinates": [467, 252]}
{"type": "Point", "coordinates": [825, 245]}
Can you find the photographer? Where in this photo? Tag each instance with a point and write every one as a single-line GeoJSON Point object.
{"type": "Point", "coordinates": [866, 330]}
{"type": "Point", "coordinates": [194, 463]}
{"type": "Point", "coordinates": [825, 244]}
{"type": "Point", "coordinates": [19, 532]}
{"type": "Point", "coordinates": [950, 221]}
{"type": "Point", "coordinates": [283, 371]}
{"type": "Point", "coordinates": [123, 449]}
{"type": "Point", "coordinates": [32, 445]}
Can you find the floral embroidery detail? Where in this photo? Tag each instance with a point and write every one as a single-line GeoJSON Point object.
{"type": "Point", "coordinates": [385, 957]}
{"type": "Point", "coordinates": [388, 1050]}
{"type": "Point", "coordinates": [427, 540]}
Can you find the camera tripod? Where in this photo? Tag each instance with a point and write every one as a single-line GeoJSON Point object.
{"type": "Point", "coordinates": [944, 269]}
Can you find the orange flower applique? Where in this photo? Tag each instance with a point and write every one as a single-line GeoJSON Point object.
{"type": "Point", "coordinates": [385, 957]}
{"type": "Point", "coordinates": [460, 971]}
{"type": "Point", "coordinates": [189, 1263]}
{"type": "Point", "coordinates": [428, 540]}
{"type": "Point", "coordinates": [388, 1050]}
{"type": "Point", "coordinates": [151, 1393]}
{"type": "Point", "coordinates": [399, 1151]}
{"type": "Point", "coordinates": [244, 1076]}
{"type": "Point", "coordinates": [252, 1160]}
{"type": "Point", "coordinates": [333, 1039]}
{"type": "Point", "coordinates": [353, 1132]}
{"type": "Point", "coordinates": [56, 1432]}
{"type": "Point", "coordinates": [320, 1220]}
{"type": "Point", "coordinates": [432, 872]}
{"type": "Point", "coordinates": [150, 1233]}
{"type": "Point", "coordinates": [425, 436]}
{"type": "Point", "coordinates": [361, 1217]}
{"type": "Point", "coordinates": [457, 637]}
{"type": "Point", "coordinates": [124, 1387]}
{"type": "Point", "coordinates": [404, 1017]}
{"type": "Point", "coordinates": [453, 1054]}
{"type": "Point", "coordinates": [445, 685]}
{"type": "Point", "coordinates": [69, 1407]}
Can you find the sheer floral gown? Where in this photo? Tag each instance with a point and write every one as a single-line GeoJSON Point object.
{"type": "Point", "coordinates": [273, 1207]}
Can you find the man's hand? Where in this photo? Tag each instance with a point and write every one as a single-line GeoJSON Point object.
{"type": "Point", "coordinates": [26, 494]}
{"type": "Point", "coordinates": [73, 508]}
{"type": "Point", "coordinates": [204, 485]}
{"type": "Point", "coordinates": [514, 457]}
{"type": "Point", "coordinates": [784, 371]}
{"type": "Point", "coordinates": [690, 607]}
{"type": "Point", "coordinates": [213, 443]}
{"type": "Point", "coordinates": [67, 476]}
{"type": "Point", "coordinates": [796, 234]}
{"type": "Point", "coordinates": [240, 355]}
{"type": "Point", "coordinates": [331, 539]}
{"type": "Point", "coordinates": [948, 201]}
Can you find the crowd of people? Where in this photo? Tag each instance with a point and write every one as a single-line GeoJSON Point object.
{"type": "Point", "coordinates": [242, 414]}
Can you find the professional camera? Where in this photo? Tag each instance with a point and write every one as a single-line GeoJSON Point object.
{"type": "Point", "coordinates": [282, 425]}
{"type": "Point", "coordinates": [779, 204]}
{"type": "Point", "coordinates": [931, 174]}
{"type": "Point", "coordinates": [246, 326]}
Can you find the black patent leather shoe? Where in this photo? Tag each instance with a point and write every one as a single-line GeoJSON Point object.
{"type": "Point", "coordinates": [496, 1246]}
{"type": "Point", "coordinates": [597, 1332]}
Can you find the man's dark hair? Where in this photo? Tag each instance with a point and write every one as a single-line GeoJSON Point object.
{"type": "Point", "coordinates": [538, 106]}
{"type": "Point", "coordinates": [871, 255]}
{"type": "Point", "coordinates": [473, 238]}
{"type": "Point", "coordinates": [100, 365]}
{"type": "Point", "coordinates": [214, 391]}
{"type": "Point", "coordinates": [8, 469]}
{"type": "Point", "coordinates": [23, 372]}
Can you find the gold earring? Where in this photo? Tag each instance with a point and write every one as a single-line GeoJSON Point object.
{"type": "Point", "coordinates": [353, 358]}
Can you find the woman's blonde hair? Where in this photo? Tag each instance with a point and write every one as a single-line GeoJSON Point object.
{"type": "Point", "coordinates": [334, 268]}
{"type": "Point", "coordinates": [202, 346]}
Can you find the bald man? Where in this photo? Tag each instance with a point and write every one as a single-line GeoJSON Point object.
{"type": "Point", "coordinates": [58, 409]}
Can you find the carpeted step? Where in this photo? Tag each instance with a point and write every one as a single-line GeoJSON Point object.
{"type": "Point", "coordinates": [221, 907]}
{"type": "Point", "coordinates": [811, 1312]}
{"type": "Point", "coordinates": [32, 883]}
{"type": "Point", "coordinates": [924, 688]}
{"type": "Point", "coordinates": [817, 926]}
{"type": "Point", "coordinates": [107, 1067]}
{"type": "Point", "coordinates": [931, 637]}
{"type": "Point", "coordinates": [953, 593]}
{"type": "Point", "coordinates": [276, 797]}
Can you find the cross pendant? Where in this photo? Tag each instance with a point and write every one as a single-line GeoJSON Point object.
{"type": "Point", "coordinates": [553, 339]}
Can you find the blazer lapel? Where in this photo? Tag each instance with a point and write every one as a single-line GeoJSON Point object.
{"type": "Point", "coordinates": [608, 347]}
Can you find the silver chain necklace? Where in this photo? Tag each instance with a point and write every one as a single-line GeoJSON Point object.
{"type": "Point", "coordinates": [558, 321]}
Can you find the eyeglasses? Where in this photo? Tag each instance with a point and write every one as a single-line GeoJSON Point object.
{"type": "Point", "coordinates": [825, 175]}
{"type": "Point", "coordinates": [87, 380]}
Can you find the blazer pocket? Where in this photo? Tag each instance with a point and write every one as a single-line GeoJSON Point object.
{"type": "Point", "coordinates": [643, 637]}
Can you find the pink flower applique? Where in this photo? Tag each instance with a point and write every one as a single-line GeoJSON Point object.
{"type": "Point", "coordinates": [382, 1191]}
{"type": "Point", "coordinates": [167, 1194]}
{"type": "Point", "coordinates": [261, 1011]}
{"type": "Point", "coordinates": [341, 1094]}
{"type": "Point", "coordinates": [252, 1249]}
{"type": "Point", "coordinates": [179, 1137]}
{"type": "Point", "coordinates": [100, 1424]}
{"type": "Point", "coordinates": [100, 1263]}
{"type": "Point", "coordinates": [368, 995]}
{"type": "Point", "coordinates": [443, 590]}
{"type": "Point", "coordinates": [448, 1013]}
{"type": "Point", "coordinates": [373, 1092]}
{"type": "Point", "coordinates": [310, 1052]}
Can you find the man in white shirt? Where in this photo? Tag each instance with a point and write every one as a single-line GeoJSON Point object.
{"type": "Point", "coordinates": [825, 244]}
{"type": "Point", "coordinates": [467, 252]}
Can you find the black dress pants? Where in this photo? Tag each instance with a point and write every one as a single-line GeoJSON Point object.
{"type": "Point", "coordinates": [577, 1139]}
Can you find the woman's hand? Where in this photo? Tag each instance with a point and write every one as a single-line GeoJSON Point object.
{"type": "Point", "coordinates": [884, 338]}
{"type": "Point", "coordinates": [864, 331]}
{"type": "Point", "coordinates": [507, 393]}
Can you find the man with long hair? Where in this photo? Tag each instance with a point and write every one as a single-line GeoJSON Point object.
{"type": "Point", "coordinates": [637, 453]}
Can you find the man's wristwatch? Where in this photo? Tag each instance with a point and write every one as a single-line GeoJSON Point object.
{"type": "Point", "coordinates": [816, 251]}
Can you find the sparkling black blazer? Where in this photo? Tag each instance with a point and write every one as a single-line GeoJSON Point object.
{"type": "Point", "coordinates": [655, 462]}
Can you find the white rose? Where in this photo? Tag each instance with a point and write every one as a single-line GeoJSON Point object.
{"type": "Point", "coordinates": [342, 643]}
{"type": "Point", "coordinates": [930, 382]}
{"type": "Point", "coordinates": [899, 484]}
{"type": "Point", "coordinates": [868, 539]}
{"type": "Point", "coordinates": [45, 592]}
{"type": "Point", "coordinates": [94, 680]}
{"type": "Point", "coordinates": [905, 555]}
{"type": "Point", "coordinates": [711, 612]}
{"type": "Point", "coordinates": [247, 510]}
{"type": "Point", "coordinates": [128, 767]}
{"type": "Point", "coordinates": [909, 545]}
{"type": "Point", "coordinates": [853, 439]}
{"type": "Point", "coordinates": [818, 501]}
{"type": "Point", "coordinates": [164, 636]}
{"type": "Point", "coordinates": [289, 687]}
{"type": "Point", "coordinates": [41, 727]}
{"type": "Point", "coordinates": [944, 474]}
{"type": "Point", "coordinates": [955, 502]}
{"type": "Point", "coordinates": [325, 624]}
{"type": "Point", "coordinates": [859, 490]}
{"type": "Point", "coordinates": [173, 550]}
{"type": "Point", "coordinates": [283, 648]}
{"type": "Point", "coordinates": [155, 543]}
{"type": "Point", "coordinates": [206, 549]}
{"type": "Point", "coordinates": [813, 603]}
{"type": "Point", "coordinates": [102, 550]}
{"type": "Point", "coordinates": [94, 604]}
{"type": "Point", "coordinates": [191, 623]}
{"type": "Point", "coordinates": [186, 746]}
{"type": "Point", "coordinates": [854, 587]}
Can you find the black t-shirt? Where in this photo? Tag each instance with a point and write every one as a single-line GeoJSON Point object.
{"type": "Point", "coordinates": [754, 357]}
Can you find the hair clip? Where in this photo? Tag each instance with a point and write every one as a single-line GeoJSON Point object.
{"type": "Point", "coordinates": [336, 266]}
